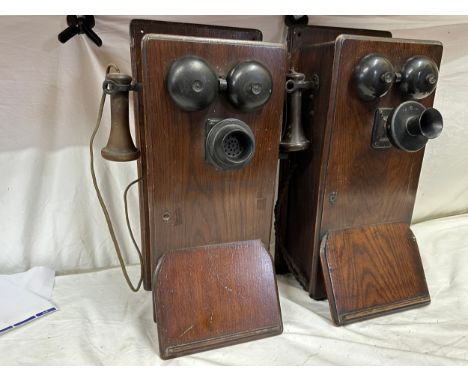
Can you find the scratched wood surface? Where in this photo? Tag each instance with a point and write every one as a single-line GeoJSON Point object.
{"type": "Point", "coordinates": [372, 271]}
{"type": "Point", "coordinates": [214, 296]}
{"type": "Point", "coordinates": [190, 202]}
{"type": "Point", "coordinates": [138, 29]}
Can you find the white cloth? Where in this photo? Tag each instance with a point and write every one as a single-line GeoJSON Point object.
{"type": "Point", "coordinates": [101, 322]}
{"type": "Point", "coordinates": [25, 296]}
{"type": "Point", "coordinates": [48, 106]}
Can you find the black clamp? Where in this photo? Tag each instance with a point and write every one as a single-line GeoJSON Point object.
{"type": "Point", "coordinates": [111, 87]}
{"type": "Point", "coordinates": [296, 81]}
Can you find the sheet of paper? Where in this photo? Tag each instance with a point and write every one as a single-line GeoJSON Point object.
{"type": "Point", "coordinates": [25, 296]}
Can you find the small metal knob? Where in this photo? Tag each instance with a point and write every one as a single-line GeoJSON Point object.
{"type": "Point", "coordinates": [192, 83]}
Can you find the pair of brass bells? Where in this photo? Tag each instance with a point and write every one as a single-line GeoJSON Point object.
{"type": "Point", "coordinates": [193, 84]}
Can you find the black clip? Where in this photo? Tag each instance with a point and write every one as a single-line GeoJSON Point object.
{"type": "Point", "coordinates": [297, 81]}
{"type": "Point", "coordinates": [111, 87]}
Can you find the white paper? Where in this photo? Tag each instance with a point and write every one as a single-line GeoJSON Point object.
{"type": "Point", "coordinates": [24, 297]}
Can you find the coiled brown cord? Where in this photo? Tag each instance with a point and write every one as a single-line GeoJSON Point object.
{"type": "Point", "coordinates": [103, 205]}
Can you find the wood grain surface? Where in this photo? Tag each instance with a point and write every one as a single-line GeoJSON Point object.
{"type": "Point", "coordinates": [299, 218]}
{"type": "Point", "coordinates": [214, 296]}
{"type": "Point", "coordinates": [372, 186]}
{"type": "Point", "coordinates": [138, 29]}
{"type": "Point", "coordinates": [369, 186]}
{"type": "Point", "coordinates": [372, 271]}
{"type": "Point", "coordinates": [190, 202]}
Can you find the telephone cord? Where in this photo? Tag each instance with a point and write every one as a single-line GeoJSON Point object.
{"type": "Point", "coordinates": [103, 205]}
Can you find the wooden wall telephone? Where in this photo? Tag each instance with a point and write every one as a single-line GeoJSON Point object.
{"type": "Point", "coordinates": [348, 199]}
{"type": "Point", "coordinates": [209, 107]}
{"type": "Point", "coordinates": [208, 122]}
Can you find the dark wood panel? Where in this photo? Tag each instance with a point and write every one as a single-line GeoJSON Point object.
{"type": "Point", "coordinates": [372, 271]}
{"type": "Point", "coordinates": [138, 29]}
{"type": "Point", "coordinates": [190, 202]}
{"type": "Point", "coordinates": [305, 189]}
{"type": "Point", "coordinates": [214, 296]}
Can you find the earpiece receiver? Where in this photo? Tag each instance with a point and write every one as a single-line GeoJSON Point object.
{"type": "Point", "coordinates": [373, 77]}
{"type": "Point", "coordinates": [419, 77]}
{"type": "Point", "coordinates": [192, 83]}
{"type": "Point", "coordinates": [120, 146]}
{"type": "Point", "coordinates": [249, 85]}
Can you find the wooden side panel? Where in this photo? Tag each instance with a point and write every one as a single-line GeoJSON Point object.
{"type": "Point", "coordinates": [372, 271]}
{"type": "Point", "coordinates": [138, 29]}
{"type": "Point", "coordinates": [214, 296]}
{"type": "Point", "coordinates": [190, 202]}
{"type": "Point", "coordinates": [304, 198]}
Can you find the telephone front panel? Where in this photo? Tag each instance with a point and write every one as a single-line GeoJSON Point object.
{"type": "Point", "coordinates": [212, 127]}
{"type": "Point", "coordinates": [347, 181]}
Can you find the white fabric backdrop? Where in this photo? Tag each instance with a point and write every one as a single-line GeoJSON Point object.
{"type": "Point", "coordinates": [49, 214]}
